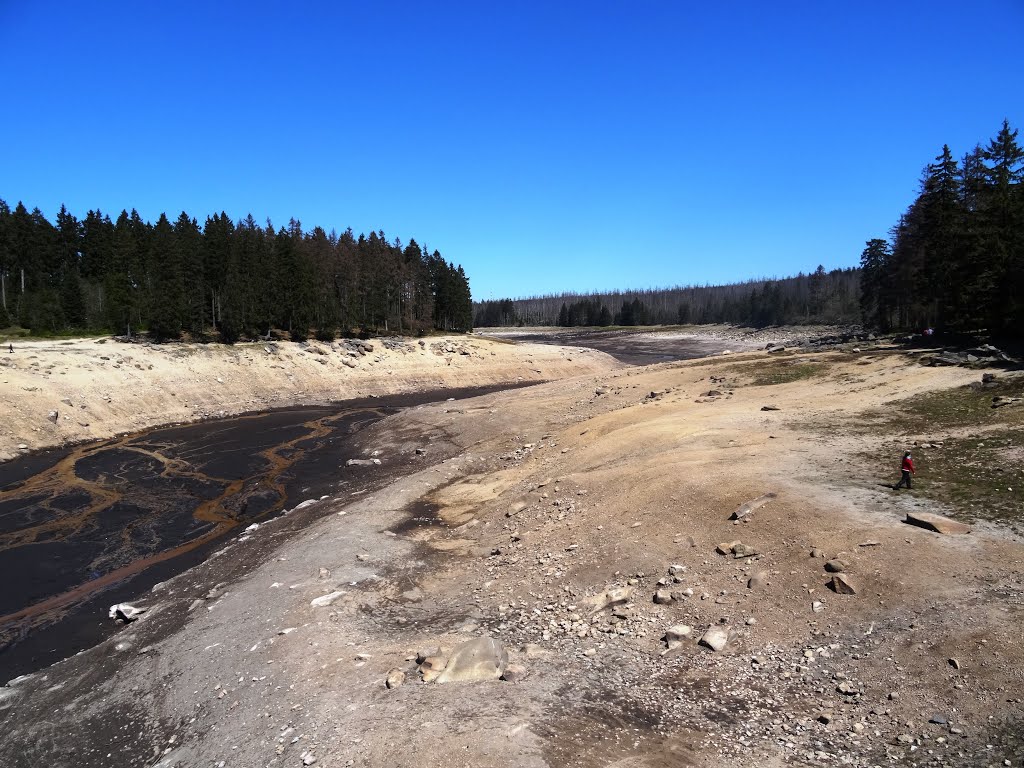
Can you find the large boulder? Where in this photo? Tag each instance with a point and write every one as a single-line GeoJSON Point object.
{"type": "Point", "coordinates": [482, 658]}
{"type": "Point", "coordinates": [937, 523]}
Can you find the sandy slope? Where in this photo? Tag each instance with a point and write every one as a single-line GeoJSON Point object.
{"type": "Point", "coordinates": [100, 387]}
{"type": "Point", "coordinates": [538, 500]}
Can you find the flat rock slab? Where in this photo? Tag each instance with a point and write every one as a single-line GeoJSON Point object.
{"type": "Point", "coordinates": [937, 523]}
{"type": "Point", "coordinates": [481, 659]}
{"type": "Point", "coordinates": [750, 506]}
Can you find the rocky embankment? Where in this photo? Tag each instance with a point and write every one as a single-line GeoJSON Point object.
{"type": "Point", "coordinates": [58, 392]}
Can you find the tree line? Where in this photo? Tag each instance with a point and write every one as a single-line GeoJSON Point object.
{"type": "Point", "coordinates": [820, 297]}
{"type": "Point", "coordinates": [224, 279]}
{"type": "Point", "coordinates": [955, 259]}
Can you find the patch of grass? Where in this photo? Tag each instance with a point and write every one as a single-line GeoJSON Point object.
{"type": "Point", "coordinates": [979, 468]}
{"type": "Point", "coordinates": [982, 477]}
{"type": "Point", "coordinates": [966, 406]}
{"type": "Point", "coordinates": [780, 371]}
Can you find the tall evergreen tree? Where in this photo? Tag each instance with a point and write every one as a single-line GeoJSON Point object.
{"type": "Point", "coordinates": [165, 312]}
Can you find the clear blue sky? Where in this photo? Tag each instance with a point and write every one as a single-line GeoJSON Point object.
{"type": "Point", "coordinates": [545, 146]}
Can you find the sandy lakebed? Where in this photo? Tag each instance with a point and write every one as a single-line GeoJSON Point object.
{"type": "Point", "coordinates": [575, 535]}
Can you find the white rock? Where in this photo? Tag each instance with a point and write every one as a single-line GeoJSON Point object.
{"type": "Point", "coordinates": [716, 638]}
{"type": "Point", "coordinates": [324, 600]}
{"type": "Point", "coordinates": [125, 612]}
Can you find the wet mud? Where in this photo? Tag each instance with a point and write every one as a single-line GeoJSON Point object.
{"type": "Point", "coordinates": [84, 527]}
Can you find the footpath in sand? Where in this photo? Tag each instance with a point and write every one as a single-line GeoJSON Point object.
{"type": "Point", "coordinates": [584, 526]}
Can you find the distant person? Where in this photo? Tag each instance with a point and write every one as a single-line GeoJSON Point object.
{"type": "Point", "coordinates": [907, 468]}
{"type": "Point", "coordinates": [10, 349]}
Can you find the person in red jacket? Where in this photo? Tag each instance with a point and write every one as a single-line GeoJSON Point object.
{"type": "Point", "coordinates": [907, 468]}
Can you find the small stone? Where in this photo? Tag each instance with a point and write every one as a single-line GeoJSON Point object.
{"type": "Point", "coordinates": [716, 638]}
{"type": "Point", "coordinates": [817, 606]}
{"type": "Point", "coordinates": [751, 621]}
{"type": "Point", "coordinates": [325, 600]}
{"type": "Point", "coordinates": [758, 580]}
{"type": "Point", "coordinates": [938, 720]}
{"type": "Point", "coordinates": [514, 673]}
{"type": "Point", "coordinates": [954, 663]}
{"type": "Point", "coordinates": [675, 635]}
{"type": "Point", "coordinates": [663, 597]}
{"type": "Point", "coordinates": [395, 678]}
{"type": "Point", "coordinates": [842, 585]}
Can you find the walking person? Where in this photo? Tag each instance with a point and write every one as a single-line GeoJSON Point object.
{"type": "Point", "coordinates": [907, 468]}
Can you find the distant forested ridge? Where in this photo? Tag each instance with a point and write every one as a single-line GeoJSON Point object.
{"type": "Point", "coordinates": [955, 260]}
{"type": "Point", "coordinates": [820, 297]}
{"type": "Point", "coordinates": [226, 279]}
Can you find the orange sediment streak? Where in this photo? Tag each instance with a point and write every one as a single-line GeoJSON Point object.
{"type": "Point", "coordinates": [62, 477]}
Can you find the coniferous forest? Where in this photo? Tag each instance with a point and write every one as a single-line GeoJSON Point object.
{"type": "Point", "coordinates": [955, 260]}
{"type": "Point", "coordinates": [820, 297]}
{"type": "Point", "coordinates": [224, 280]}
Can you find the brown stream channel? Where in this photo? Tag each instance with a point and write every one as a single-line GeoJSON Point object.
{"type": "Point", "coordinates": [84, 527]}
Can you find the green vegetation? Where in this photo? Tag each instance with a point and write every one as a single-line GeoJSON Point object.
{"type": "Point", "coordinates": [975, 458]}
{"type": "Point", "coordinates": [955, 259]}
{"type": "Point", "coordinates": [223, 280]}
{"type": "Point", "coordinates": [819, 297]}
{"type": "Point", "coordinates": [779, 371]}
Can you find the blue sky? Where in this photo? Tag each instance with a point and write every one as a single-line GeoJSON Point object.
{"type": "Point", "coordinates": [543, 146]}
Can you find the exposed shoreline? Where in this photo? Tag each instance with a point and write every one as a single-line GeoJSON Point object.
{"type": "Point", "coordinates": [275, 651]}
{"type": "Point", "coordinates": [59, 393]}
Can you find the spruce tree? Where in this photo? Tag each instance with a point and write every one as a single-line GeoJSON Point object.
{"type": "Point", "coordinates": [166, 308]}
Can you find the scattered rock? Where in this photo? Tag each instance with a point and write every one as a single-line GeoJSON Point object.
{"type": "Point", "coordinates": [770, 408]}
{"type": "Point", "coordinates": [362, 462]}
{"type": "Point", "coordinates": [125, 613]}
{"type": "Point", "coordinates": [663, 597]}
{"type": "Point", "coordinates": [726, 547]}
{"type": "Point", "coordinates": [52, 416]}
{"type": "Point", "coordinates": [325, 600]}
{"type": "Point", "coordinates": [758, 580]}
{"type": "Point", "coordinates": [675, 635]}
{"type": "Point", "coordinates": [999, 401]}
{"type": "Point", "coordinates": [716, 638]}
{"type": "Point", "coordinates": [745, 509]}
{"type": "Point", "coordinates": [741, 551]}
{"type": "Point", "coordinates": [395, 678]}
{"type": "Point", "coordinates": [514, 673]}
{"type": "Point", "coordinates": [835, 566]}
{"type": "Point", "coordinates": [841, 584]}
{"type": "Point", "coordinates": [610, 596]}
{"type": "Point", "coordinates": [431, 667]}
{"type": "Point", "coordinates": [937, 523]}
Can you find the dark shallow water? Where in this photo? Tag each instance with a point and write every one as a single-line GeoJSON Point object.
{"type": "Point", "coordinates": [632, 348]}
{"type": "Point", "coordinates": [84, 527]}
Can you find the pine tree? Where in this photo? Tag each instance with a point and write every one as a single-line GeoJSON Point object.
{"type": "Point", "coordinates": [165, 312]}
{"type": "Point", "coordinates": [873, 264]}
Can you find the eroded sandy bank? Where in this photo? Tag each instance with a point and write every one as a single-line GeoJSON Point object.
{"type": "Point", "coordinates": [58, 392]}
